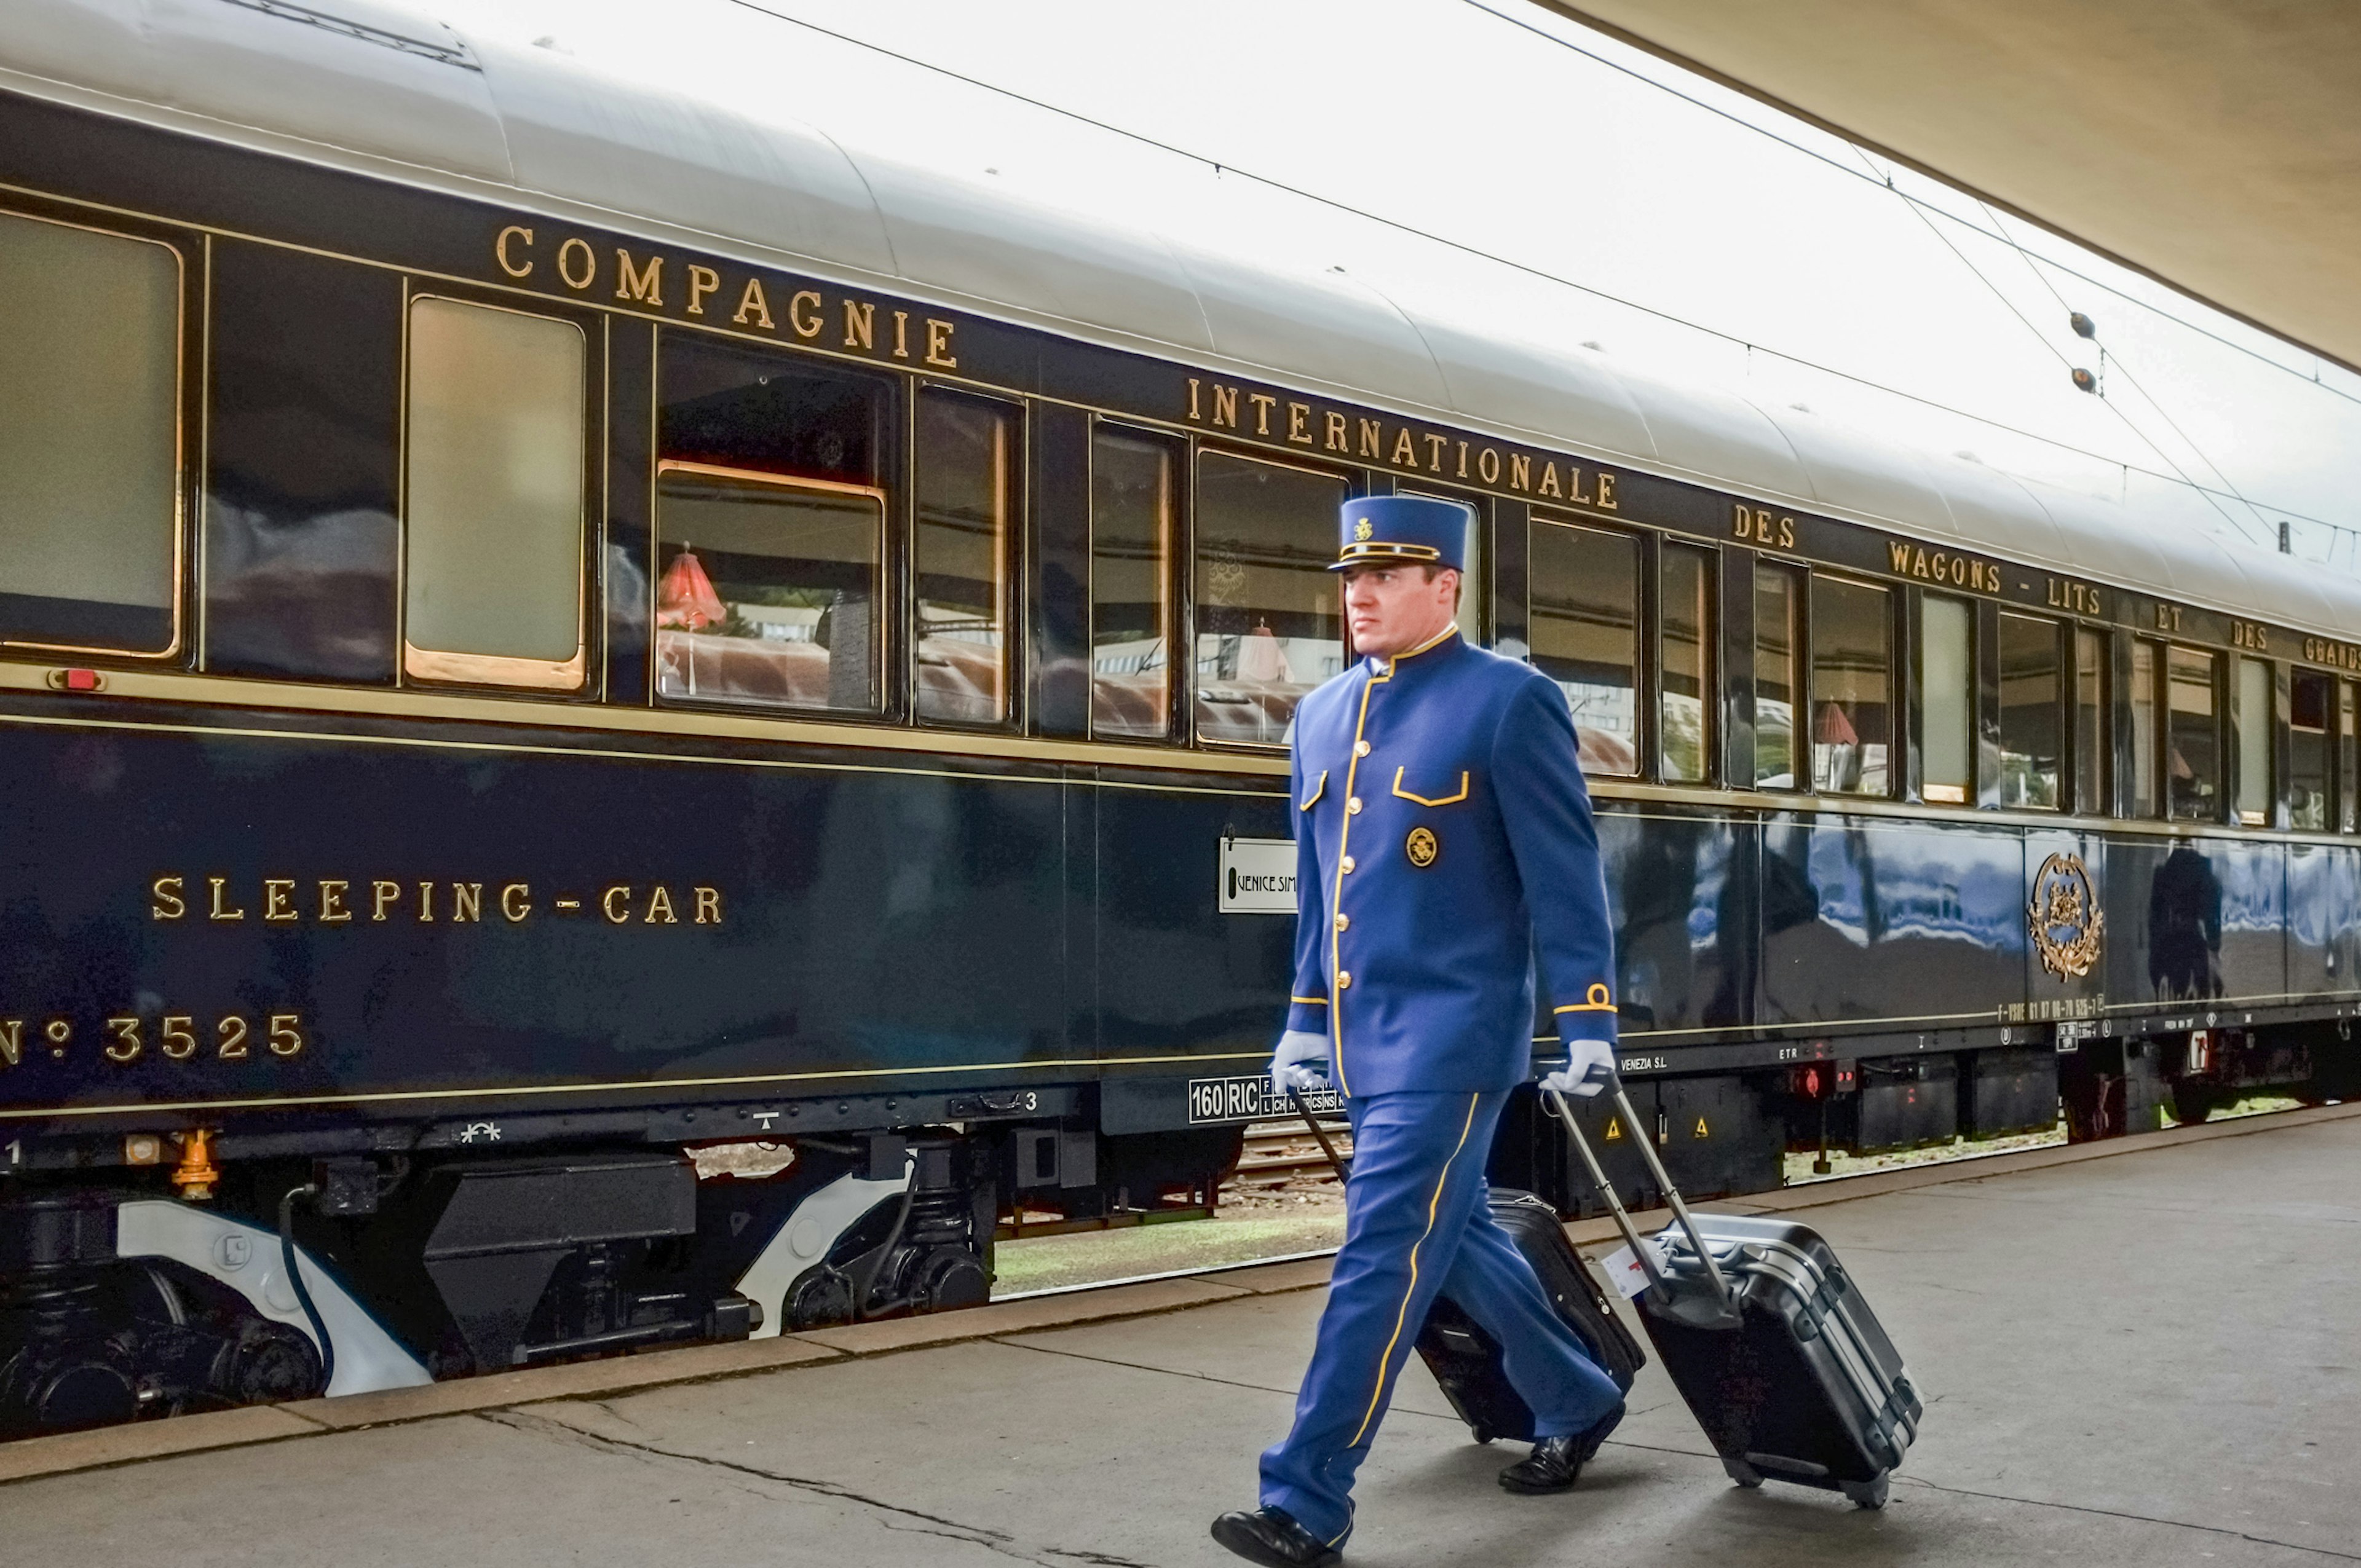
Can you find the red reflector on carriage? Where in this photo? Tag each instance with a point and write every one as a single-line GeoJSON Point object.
{"type": "Point", "coordinates": [77, 681]}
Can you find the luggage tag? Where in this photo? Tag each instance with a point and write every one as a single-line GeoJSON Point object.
{"type": "Point", "coordinates": [1628, 1274]}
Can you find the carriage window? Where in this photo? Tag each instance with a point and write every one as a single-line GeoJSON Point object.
{"type": "Point", "coordinates": [494, 485]}
{"type": "Point", "coordinates": [2348, 756]}
{"type": "Point", "coordinates": [1585, 627]}
{"type": "Point", "coordinates": [770, 530]}
{"type": "Point", "coordinates": [1133, 502]}
{"type": "Point", "coordinates": [966, 498]}
{"type": "Point", "coordinates": [2090, 720]}
{"type": "Point", "coordinates": [1269, 621]}
{"type": "Point", "coordinates": [1777, 611]}
{"type": "Point", "coordinates": [2311, 725]}
{"type": "Point", "coordinates": [2253, 717]}
{"type": "Point", "coordinates": [1852, 687]}
{"type": "Point", "coordinates": [2192, 736]}
{"type": "Point", "coordinates": [766, 589]}
{"type": "Point", "coordinates": [1685, 706]}
{"type": "Point", "coordinates": [90, 335]}
{"type": "Point", "coordinates": [2031, 710]}
{"type": "Point", "coordinates": [2145, 801]}
{"type": "Point", "coordinates": [1947, 699]}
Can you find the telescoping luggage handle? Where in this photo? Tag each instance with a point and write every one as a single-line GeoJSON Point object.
{"type": "Point", "coordinates": [1343, 1167]}
{"type": "Point", "coordinates": [1640, 1249]}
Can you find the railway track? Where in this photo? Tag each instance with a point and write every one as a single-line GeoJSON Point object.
{"type": "Point", "coordinates": [1277, 1152]}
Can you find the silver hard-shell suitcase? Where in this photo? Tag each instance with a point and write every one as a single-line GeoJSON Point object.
{"type": "Point", "coordinates": [1769, 1340]}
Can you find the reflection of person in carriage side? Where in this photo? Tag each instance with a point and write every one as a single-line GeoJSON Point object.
{"type": "Point", "coordinates": [2184, 928]}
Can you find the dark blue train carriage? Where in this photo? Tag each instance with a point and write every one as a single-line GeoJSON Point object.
{"type": "Point", "coordinates": [497, 696]}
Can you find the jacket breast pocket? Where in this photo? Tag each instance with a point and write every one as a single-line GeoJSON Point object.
{"type": "Point", "coordinates": [1311, 796]}
{"type": "Point", "coordinates": [1441, 788]}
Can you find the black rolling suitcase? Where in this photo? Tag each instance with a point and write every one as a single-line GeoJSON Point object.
{"type": "Point", "coordinates": [1466, 1360]}
{"type": "Point", "coordinates": [1769, 1340]}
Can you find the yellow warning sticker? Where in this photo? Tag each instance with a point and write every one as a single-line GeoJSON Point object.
{"type": "Point", "coordinates": [1701, 1132]}
{"type": "Point", "coordinates": [1614, 1130]}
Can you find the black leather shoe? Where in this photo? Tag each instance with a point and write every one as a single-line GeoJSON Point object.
{"type": "Point", "coordinates": [1555, 1463]}
{"type": "Point", "coordinates": [1276, 1538]}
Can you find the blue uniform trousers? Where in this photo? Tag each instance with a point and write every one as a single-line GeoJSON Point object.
{"type": "Point", "coordinates": [1416, 1222]}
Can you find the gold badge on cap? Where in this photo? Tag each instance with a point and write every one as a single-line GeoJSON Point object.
{"type": "Point", "coordinates": [1362, 530]}
{"type": "Point", "coordinates": [1421, 847]}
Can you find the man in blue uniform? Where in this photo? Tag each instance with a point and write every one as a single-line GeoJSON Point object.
{"type": "Point", "coordinates": [1443, 838]}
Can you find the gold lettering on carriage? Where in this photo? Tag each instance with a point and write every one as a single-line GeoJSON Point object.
{"type": "Point", "coordinates": [378, 901]}
{"type": "Point", "coordinates": [659, 282]}
{"type": "Point", "coordinates": [1349, 435]}
{"type": "Point", "coordinates": [1947, 567]}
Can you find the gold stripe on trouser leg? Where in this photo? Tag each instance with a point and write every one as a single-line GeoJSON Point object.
{"type": "Point", "coordinates": [1401, 1314]}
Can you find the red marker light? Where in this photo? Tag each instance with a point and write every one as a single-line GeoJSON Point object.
{"type": "Point", "coordinates": [77, 681]}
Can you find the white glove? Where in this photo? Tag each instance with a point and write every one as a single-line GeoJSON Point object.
{"type": "Point", "coordinates": [1589, 1069]}
{"type": "Point", "coordinates": [1300, 1063]}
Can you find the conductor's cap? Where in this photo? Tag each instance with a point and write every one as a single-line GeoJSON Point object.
{"type": "Point", "coordinates": [1397, 530]}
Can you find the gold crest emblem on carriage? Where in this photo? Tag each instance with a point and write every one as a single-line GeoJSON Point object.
{"type": "Point", "coordinates": [2064, 916]}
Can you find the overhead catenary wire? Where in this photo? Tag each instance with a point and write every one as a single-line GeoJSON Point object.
{"type": "Point", "coordinates": [1819, 155]}
{"type": "Point", "coordinates": [2043, 338]}
{"type": "Point", "coordinates": [2177, 476]}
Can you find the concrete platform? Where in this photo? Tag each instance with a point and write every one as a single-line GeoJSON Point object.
{"type": "Point", "coordinates": [2148, 1357]}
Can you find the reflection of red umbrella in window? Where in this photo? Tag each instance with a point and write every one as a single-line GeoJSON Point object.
{"type": "Point", "coordinates": [685, 596]}
{"type": "Point", "coordinates": [1834, 728]}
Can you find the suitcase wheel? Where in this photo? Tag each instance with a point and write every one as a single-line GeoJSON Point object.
{"type": "Point", "coordinates": [1867, 1494]}
{"type": "Point", "coordinates": [1745, 1475]}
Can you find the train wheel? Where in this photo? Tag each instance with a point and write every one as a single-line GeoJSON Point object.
{"type": "Point", "coordinates": [2193, 1101]}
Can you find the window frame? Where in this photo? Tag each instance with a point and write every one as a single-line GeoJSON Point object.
{"type": "Point", "coordinates": [1354, 483]}
{"type": "Point", "coordinates": [1180, 564]}
{"type": "Point", "coordinates": [1710, 566]}
{"type": "Point", "coordinates": [1643, 726]}
{"type": "Point", "coordinates": [1798, 575]}
{"type": "Point", "coordinates": [2330, 759]}
{"type": "Point", "coordinates": [879, 493]}
{"type": "Point", "coordinates": [2063, 706]}
{"type": "Point", "coordinates": [2217, 661]}
{"type": "Point", "coordinates": [1961, 795]}
{"type": "Point", "coordinates": [2100, 743]}
{"type": "Point", "coordinates": [2274, 781]}
{"type": "Point", "coordinates": [1015, 634]}
{"type": "Point", "coordinates": [1807, 644]}
{"type": "Point", "coordinates": [189, 318]}
{"type": "Point", "coordinates": [442, 669]}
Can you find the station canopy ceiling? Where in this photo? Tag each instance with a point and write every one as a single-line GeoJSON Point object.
{"type": "Point", "coordinates": [2213, 144]}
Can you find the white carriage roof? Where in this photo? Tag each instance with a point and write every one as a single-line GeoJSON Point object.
{"type": "Point", "coordinates": [386, 90]}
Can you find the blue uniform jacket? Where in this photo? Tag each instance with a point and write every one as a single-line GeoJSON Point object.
{"type": "Point", "coordinates": [1443, 839]}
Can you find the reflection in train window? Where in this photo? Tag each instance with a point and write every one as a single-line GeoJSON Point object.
{"type": "Point", "coordinates": [1583, 602]}
{"type": "Point", "coordinates": [1852, 687]}
{"type": "Point", "coordinates": [90, 346]}
{"type": "Point", "coordinates": [2193, 735]}
{"type": "Point", "coordinates": [1269, 621]}
{"type": "Point", "coordinates": [2146, 741]}
{"type": "Point", "coordinates": [2090, 720]}
{"type": "Point", "coordinates": [1777, 609]}
{"type": "Point", "coordinates": [735, 406]}
{"type": "Point", "coordinates": [1684, 706]}
{"type": "Point", "coordinates": [767, 588]}
{"type": "Point", "coordinates": [966, 491]}
{"type": "Point", "coordinates": [2252, 714]}
{"type": "Point", "coordinates": [1133, 502]}
{"type": "Point", "coordinates": [2311, 725]}
{"type": "Point", "coordinates": [1947, 699]}
{"type": "Point", "coordinates": [2348, 756]}
{"type": "Point", "coordinates": [2031, 710]}
{"type": "Point", "coordinates": [494, 491]}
